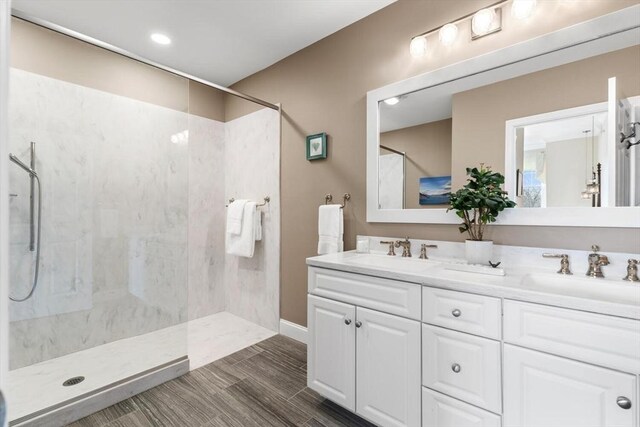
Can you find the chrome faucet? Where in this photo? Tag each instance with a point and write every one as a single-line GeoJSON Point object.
{"type": "Point", "coordinates": [596, 261]}
{"type": "Point", "coordinates": [632, 271]}
{"type": "Point", "coordinates": [392, 251]}
{"type": "Point", "coordinates": [564, 262]}
{"type": "Point", "coordinates": [423, 250]}
{"type": "Point", "coordinates": [406, 247]}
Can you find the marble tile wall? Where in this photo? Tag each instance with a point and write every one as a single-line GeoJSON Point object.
{"type": "Point", "coordinates": [114, 218]}
{"type": "Point", "coordinates": [206, 217]}
{"type": "Point", "coordinates": [252, 157]}
{"type": "Point", "coordinates": [133, 217]}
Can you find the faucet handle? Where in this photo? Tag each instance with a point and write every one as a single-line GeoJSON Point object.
{"type": "Point", "coordinates": [391, 244]}
{"type": "Point", "coordinates": [632, 271]}
{"type": "Point", "coordinates": [423, 250]}
{"type": "Point", "coordinates": [595, 248]}
{"type": "Point", "coordinates": [564, 262]}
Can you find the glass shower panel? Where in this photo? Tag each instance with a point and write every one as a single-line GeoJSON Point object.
{"type": "Point", "coordinates": [111, 297]}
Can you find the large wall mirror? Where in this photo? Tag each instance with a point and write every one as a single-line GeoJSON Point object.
{"type": "Point", "coordinates": [555, 114]}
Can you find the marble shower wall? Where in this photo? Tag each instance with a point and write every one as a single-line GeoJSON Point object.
{"type": "Point", "coordinates": [133, 217]}
{"type": "Point", "coordinates": [252, 156]}
{"type": "Point", "coordinates": [114, 218]}
{"type": "Point", "coordinates": [206, 217]}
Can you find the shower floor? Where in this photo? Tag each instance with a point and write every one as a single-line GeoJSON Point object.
{"type": "Point", "coordinates": [39, 386]}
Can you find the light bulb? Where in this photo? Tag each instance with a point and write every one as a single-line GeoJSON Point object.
{"type": "Point", "coordinates": [392, 101]}
{"type": "Point", "coordinates": [160, 39]}
{"type": "Point", "coordinates": [448, 34]}
{"type": "Point", "coordinates": [418, 46]}
{"type": "Point", "coordinates": [482, 21]}
{"type": "Point", "coordinates": [522, 9]}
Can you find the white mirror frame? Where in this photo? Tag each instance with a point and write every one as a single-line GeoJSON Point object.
{"type": "Point", "coordinates": [609, 32]}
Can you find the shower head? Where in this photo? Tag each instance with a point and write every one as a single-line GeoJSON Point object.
{"type": "Point", "coordinates": [19, 162]}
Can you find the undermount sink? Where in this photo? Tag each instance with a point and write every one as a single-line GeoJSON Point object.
{"type": "Point", "coordinates": [584, 287]}
{"type": "Point", "coordinates": [407, 265]}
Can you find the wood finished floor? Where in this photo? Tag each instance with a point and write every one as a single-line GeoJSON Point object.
{"type": "Point", "coordinates": [262, 385]}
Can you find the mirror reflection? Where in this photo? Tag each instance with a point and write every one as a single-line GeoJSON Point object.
{"type": "Point", "coordinates": [563, 136]}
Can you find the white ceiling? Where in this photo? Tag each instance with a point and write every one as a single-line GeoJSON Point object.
{"type": "Point", "coordinates": [222, 41]}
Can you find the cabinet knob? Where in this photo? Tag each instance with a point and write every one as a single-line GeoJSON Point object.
{"type": "Point", "coordinates": [456, 368]}
{"type": "Point", "coordinates": [456, 312]}
{"type": "Point", "coordinates": [623, 402]}
{"type": "Point", "coordinates": [347, 321]}
{"type": "Point", "coordinates": [358, 324]}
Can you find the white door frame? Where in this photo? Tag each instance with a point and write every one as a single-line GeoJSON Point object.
{"type": "Point", "coordinates": [5, 23]}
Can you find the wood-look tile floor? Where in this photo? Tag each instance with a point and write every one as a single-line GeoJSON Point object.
{"type": "Point", "coordinates": [262, 385]}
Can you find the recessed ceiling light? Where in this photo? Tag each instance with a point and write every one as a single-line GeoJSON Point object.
{"type": "Point", "coordinates": [392, 101]}
{"type": "Point", "coordinates": [160, 39]}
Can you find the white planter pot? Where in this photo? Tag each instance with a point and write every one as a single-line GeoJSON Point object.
{"type": "Point", "coordinates": [478, 251]}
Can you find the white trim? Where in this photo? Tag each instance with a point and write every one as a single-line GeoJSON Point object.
{"type": "Point", "coordinates": [293, 331]}
{"type": "Point", "coordinates": [5, 24]}
{"type": "Point", "coordinates": [614, 31]}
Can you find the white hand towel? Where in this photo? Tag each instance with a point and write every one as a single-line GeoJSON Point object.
{"type": "Point", "coordinates": [330, 229]}
{"type": "Point", "coordinates": [258, 226]}
{"type": "Point", "coordinates": [244, 243]}
{"type": "Point", "coordinates": [235, 212]}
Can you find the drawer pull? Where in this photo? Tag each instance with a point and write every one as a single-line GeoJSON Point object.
{"type": "Point", "coordinates": [456, 368]}
{"type": "Point", "coordinates": [456, 313]}
{"type": "Point", "coordinates": [358, 324]}
{"type": "Point", "coordinates": [623, 402]}
{"type": "Point", "coordinates": [347, 321]}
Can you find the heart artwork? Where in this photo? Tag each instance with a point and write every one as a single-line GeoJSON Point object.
{"type": "Point", "coordinates": [315, 146]}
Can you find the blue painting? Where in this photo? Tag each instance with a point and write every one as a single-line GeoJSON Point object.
{"type": "Point", "coordinates": [435, 190]}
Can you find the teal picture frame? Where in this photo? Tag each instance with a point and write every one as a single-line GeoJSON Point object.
{"type": "Point", "coordinates": [317, 146]}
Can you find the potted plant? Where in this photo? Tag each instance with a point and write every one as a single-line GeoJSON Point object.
{"type": "Point", "coordinates": [478, 203]}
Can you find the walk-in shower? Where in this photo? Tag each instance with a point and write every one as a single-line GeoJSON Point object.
{"type": "Point", "coordinates": [118, 274]}
{"type": "Point", "coordinates": [34, 236]}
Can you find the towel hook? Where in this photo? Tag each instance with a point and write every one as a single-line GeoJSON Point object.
{"type": "Point", "coordinates": [329, 198]}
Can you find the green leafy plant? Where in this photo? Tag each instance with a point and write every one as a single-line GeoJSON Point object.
{"type": "Point", "coordinates": [480, 201]}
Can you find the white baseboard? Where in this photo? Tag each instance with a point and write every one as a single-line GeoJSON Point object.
{"type": "Point", "coordinates": [293, 330]}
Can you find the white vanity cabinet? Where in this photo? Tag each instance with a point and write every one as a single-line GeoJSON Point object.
{"type": "Point", "coordinates": [364, 359]}
{"type": "Point", "coordinates": [402, 354]}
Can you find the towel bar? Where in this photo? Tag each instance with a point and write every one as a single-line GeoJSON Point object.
{"type": "Point", "coordinates": [267, 199]}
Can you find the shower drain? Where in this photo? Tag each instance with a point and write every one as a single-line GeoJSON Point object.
{"type": "Point", "coordinates": [73, 381]}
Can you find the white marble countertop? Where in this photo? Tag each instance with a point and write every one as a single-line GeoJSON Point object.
{"type": "Point", "coordinates": [509, 286]}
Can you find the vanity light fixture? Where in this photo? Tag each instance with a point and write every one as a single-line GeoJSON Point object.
{"type": "Point", "coordinates": [522, 9]}
{"type": "Point", "coordinates": [448, 34]}
{"type": "Point", "coordinates": [161, 39]}
{"type": "Point", "coordinates": [483, 22]}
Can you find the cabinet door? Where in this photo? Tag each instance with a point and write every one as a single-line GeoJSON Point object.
{"type": "Point", "coordinates": [331, 350]}
{"type": "Point", "coordinates": [388, 369]}
{"type": "Point", "coordinates": [545, 390]}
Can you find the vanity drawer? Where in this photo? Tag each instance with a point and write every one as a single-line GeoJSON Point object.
{"type": "Point", "coordinates": [476, 314]}
{"type": "Point", "coordinates": [390, 296]}
{"type": "Point", "coordinates": [603, 340]}
{"type": "Point", "coordinates": [439, 410]}
{"type": "Point", "coordinates": [463, 366]}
